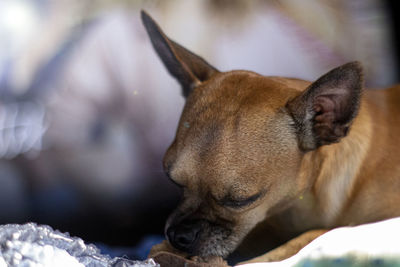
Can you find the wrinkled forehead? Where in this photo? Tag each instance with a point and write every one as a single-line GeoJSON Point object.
{"type": "Point", "coordinates": [235, 98]}
{"type": "Point", "coordinates": [226, 93]}
{"type": "Point", "coordinates": [232, 119]}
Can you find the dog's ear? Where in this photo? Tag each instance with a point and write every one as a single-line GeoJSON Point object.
{"type": "Point", "coordinates": [324, 112]}
{"type": "Point", "coordinates": [189, 69]}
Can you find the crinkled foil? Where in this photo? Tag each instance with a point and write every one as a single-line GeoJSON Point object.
{"type": "Point", "coordinates": [39, 245]}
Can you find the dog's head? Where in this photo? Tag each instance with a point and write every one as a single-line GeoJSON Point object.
{"type": "Point", "coordinates": [240, 143]}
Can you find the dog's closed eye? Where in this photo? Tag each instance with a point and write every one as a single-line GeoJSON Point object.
{"type": "Point", "coordinates": [232, 202]}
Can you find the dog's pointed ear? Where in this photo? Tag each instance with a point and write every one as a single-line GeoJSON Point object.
{"type": "Point", "coordinates": [189, 69]}
{"type": "Point", "coordinates": [324, 112]}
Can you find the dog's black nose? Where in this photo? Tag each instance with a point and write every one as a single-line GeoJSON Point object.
{"type": "Point", "coordinates": [184, 235]}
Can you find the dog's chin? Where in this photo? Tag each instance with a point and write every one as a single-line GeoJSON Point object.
{"type": "Point", "coordinates": [216, 245]}
{"type": "Point", "coordinates": [214, 251]}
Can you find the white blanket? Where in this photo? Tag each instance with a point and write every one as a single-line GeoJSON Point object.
{"type": "Point", "coordinates": [374, 244]}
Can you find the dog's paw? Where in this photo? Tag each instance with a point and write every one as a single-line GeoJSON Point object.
{"type": "Point", "coordinates": [211, 261]}
{"type": "Point", "coordinates": [165, 246]}
{"type": "Point", "coordinates": [167, 259]}
{"type": "Point", "coordinates": [166, 255]}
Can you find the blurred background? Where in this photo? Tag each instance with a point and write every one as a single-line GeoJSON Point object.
{"type": "Point", "coordinates": [87, 109]}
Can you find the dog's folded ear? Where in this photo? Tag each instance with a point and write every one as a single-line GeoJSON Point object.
{"type": "Point", "coordinates": [189, 69]}
{"type": "Point", "coordinates": [324, 112]}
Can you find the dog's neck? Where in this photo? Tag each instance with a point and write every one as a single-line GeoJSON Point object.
{"type": "Point", "coordinates": [333, 170]}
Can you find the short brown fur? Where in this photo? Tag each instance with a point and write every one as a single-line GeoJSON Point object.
{"type": "Point", "coordinates": [283, 155]}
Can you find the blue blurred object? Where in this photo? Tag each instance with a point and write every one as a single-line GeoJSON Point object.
{"type": "Point", "coordinates": [59, 201]}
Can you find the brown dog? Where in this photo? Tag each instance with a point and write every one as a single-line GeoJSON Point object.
{"type": "Point", "coordinates": [295, 158]}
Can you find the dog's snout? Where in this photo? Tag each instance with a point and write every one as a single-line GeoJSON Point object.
{"type": "Point", "coordinates": [184, 235]}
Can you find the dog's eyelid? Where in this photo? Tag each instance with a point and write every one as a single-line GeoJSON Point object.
{"type": "Point", "coordinates": [229, 201]}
